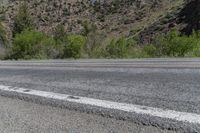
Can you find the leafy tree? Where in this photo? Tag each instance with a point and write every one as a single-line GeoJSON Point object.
{"type": "Point", "coordinates": [27, 45]}
{"type": "Point", "coordinates": [23, 20]}
{"type": "Point", "coordinates": [118, 48]}
{"type": "Point", "coordinates": [3, 35]}
{"type": "Point", "coordinates": [94, 38]}
{"type": "Point", "coordinates": [73, 45]}
{"type": "Point", "coordinates": [150, 50]}
{"type": "Point", "coordinates": [196, 43]}
{"type": "Point", "coordinates": [173, 44]}
{"type": "Point", "coordinates": [3, 32]}
{"type": "Point", "coordinates": [59, 32]}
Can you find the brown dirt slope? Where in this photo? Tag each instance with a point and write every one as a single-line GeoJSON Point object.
{"type": "Point", "coordinates": [112, 16]}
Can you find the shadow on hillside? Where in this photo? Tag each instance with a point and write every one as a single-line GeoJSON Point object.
{"type": "Point", "coordinates": [190, 15]}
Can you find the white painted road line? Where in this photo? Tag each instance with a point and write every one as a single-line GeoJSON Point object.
{"type": "Point", "coordinates": [130, 108]}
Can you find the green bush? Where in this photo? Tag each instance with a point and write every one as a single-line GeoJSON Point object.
{"type": "Point", "coordinates": [196, 52]}
{"type": "Point", "coordinates": [179, 45]}
{"type": "Point", "coordinates": [173, 44]}
{"type": "Point", "coordinates": [28, 45]}
{"type": "Point", "coordinates": [33, 44]}
{"type": "Point", "coordinates": [196, 41]}
{"type": "Point", "coordinates": [94, 39]}
{"type": "Point", "coordinates": [150, 50]}
{"type": "Point", "coordinates": [118, 48]}
{"type": "Point", "coordinates": [73, 45]}
{"type": "Point", "coordinates": [50, 48]}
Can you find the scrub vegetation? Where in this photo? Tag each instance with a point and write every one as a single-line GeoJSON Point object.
{"type": "Point", "coordinates": [26, 41]}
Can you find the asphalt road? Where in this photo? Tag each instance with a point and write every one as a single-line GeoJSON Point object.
{"type": "Point", "coordinates": [161, 83]}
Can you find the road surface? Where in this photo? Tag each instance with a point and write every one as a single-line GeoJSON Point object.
{"type": "Point", "coordinates": [167, 84]}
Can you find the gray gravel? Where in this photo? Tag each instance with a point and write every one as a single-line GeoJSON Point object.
{"type": "Point", "coordinates": [25, 117]}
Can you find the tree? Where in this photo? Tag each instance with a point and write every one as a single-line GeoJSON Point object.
{"type": "Point", "coordinates": [3, 36]}
{"type": "Point", "coordinates": [73, 45]}
{"type": "Point", "coordinates": [118, 48]}
{"type": "Point", "coordinates": [59, 32]}
{"type": "Point", "coordinates": [3, 31]}
{"type": "Point", "coordinates": [174, 44]}
{"type": "Point", "coordinates": [23, 20]}
{"type": "Point", "coordinates": [94, 38]}
{"type": "Point", "coordinates": [27, 44]}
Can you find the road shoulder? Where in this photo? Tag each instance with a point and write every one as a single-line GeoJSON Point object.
{"type": "Point", "coordinates": [20, 117]}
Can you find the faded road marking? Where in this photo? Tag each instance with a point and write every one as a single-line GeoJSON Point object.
{"type": "Point", "coordinates": [130, 108]}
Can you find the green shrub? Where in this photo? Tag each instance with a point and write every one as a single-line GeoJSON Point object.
{"type": "Point", "coordinates": [173, 44]}
{"type": "Point", "coordinates": [186, 44]}
{"type": "Point", "coordinates": [28, 45]}
{"type": "Point", "coordinates": [196, 52]}
{"type": "Point", "coordinates": [179, 45]}
{"type": "Point", "coordinates": [94, 40]}
{"type": "Point", "coordinates": [118, 48]}
{"type": "Point", "coordinates": [73, 45]}
{"type": "Point", "coordinates": [50, 48]}
{"type": "Point", "coordinates": [196, 42]}
{"type": "Point", "coordinates": [33, 44]}
{"type": "Point", "coordinates": [150, 50]}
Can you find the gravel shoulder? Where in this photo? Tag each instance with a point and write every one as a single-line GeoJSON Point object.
{"type": "Point", "coordinates": [18, 116]}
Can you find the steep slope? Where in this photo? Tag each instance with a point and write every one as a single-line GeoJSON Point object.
{"type": "Point", "coordinates": [112, 16]}
{"type": "Point", "coordinates": [185, 18]}
{"type": "Point", "coordinates": [189, 17]}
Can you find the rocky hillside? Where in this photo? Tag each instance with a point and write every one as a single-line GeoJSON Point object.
{"type": "Point", "coordinates": [112, 16]}
{"type": "Point", "coordinates": [185, 18]}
